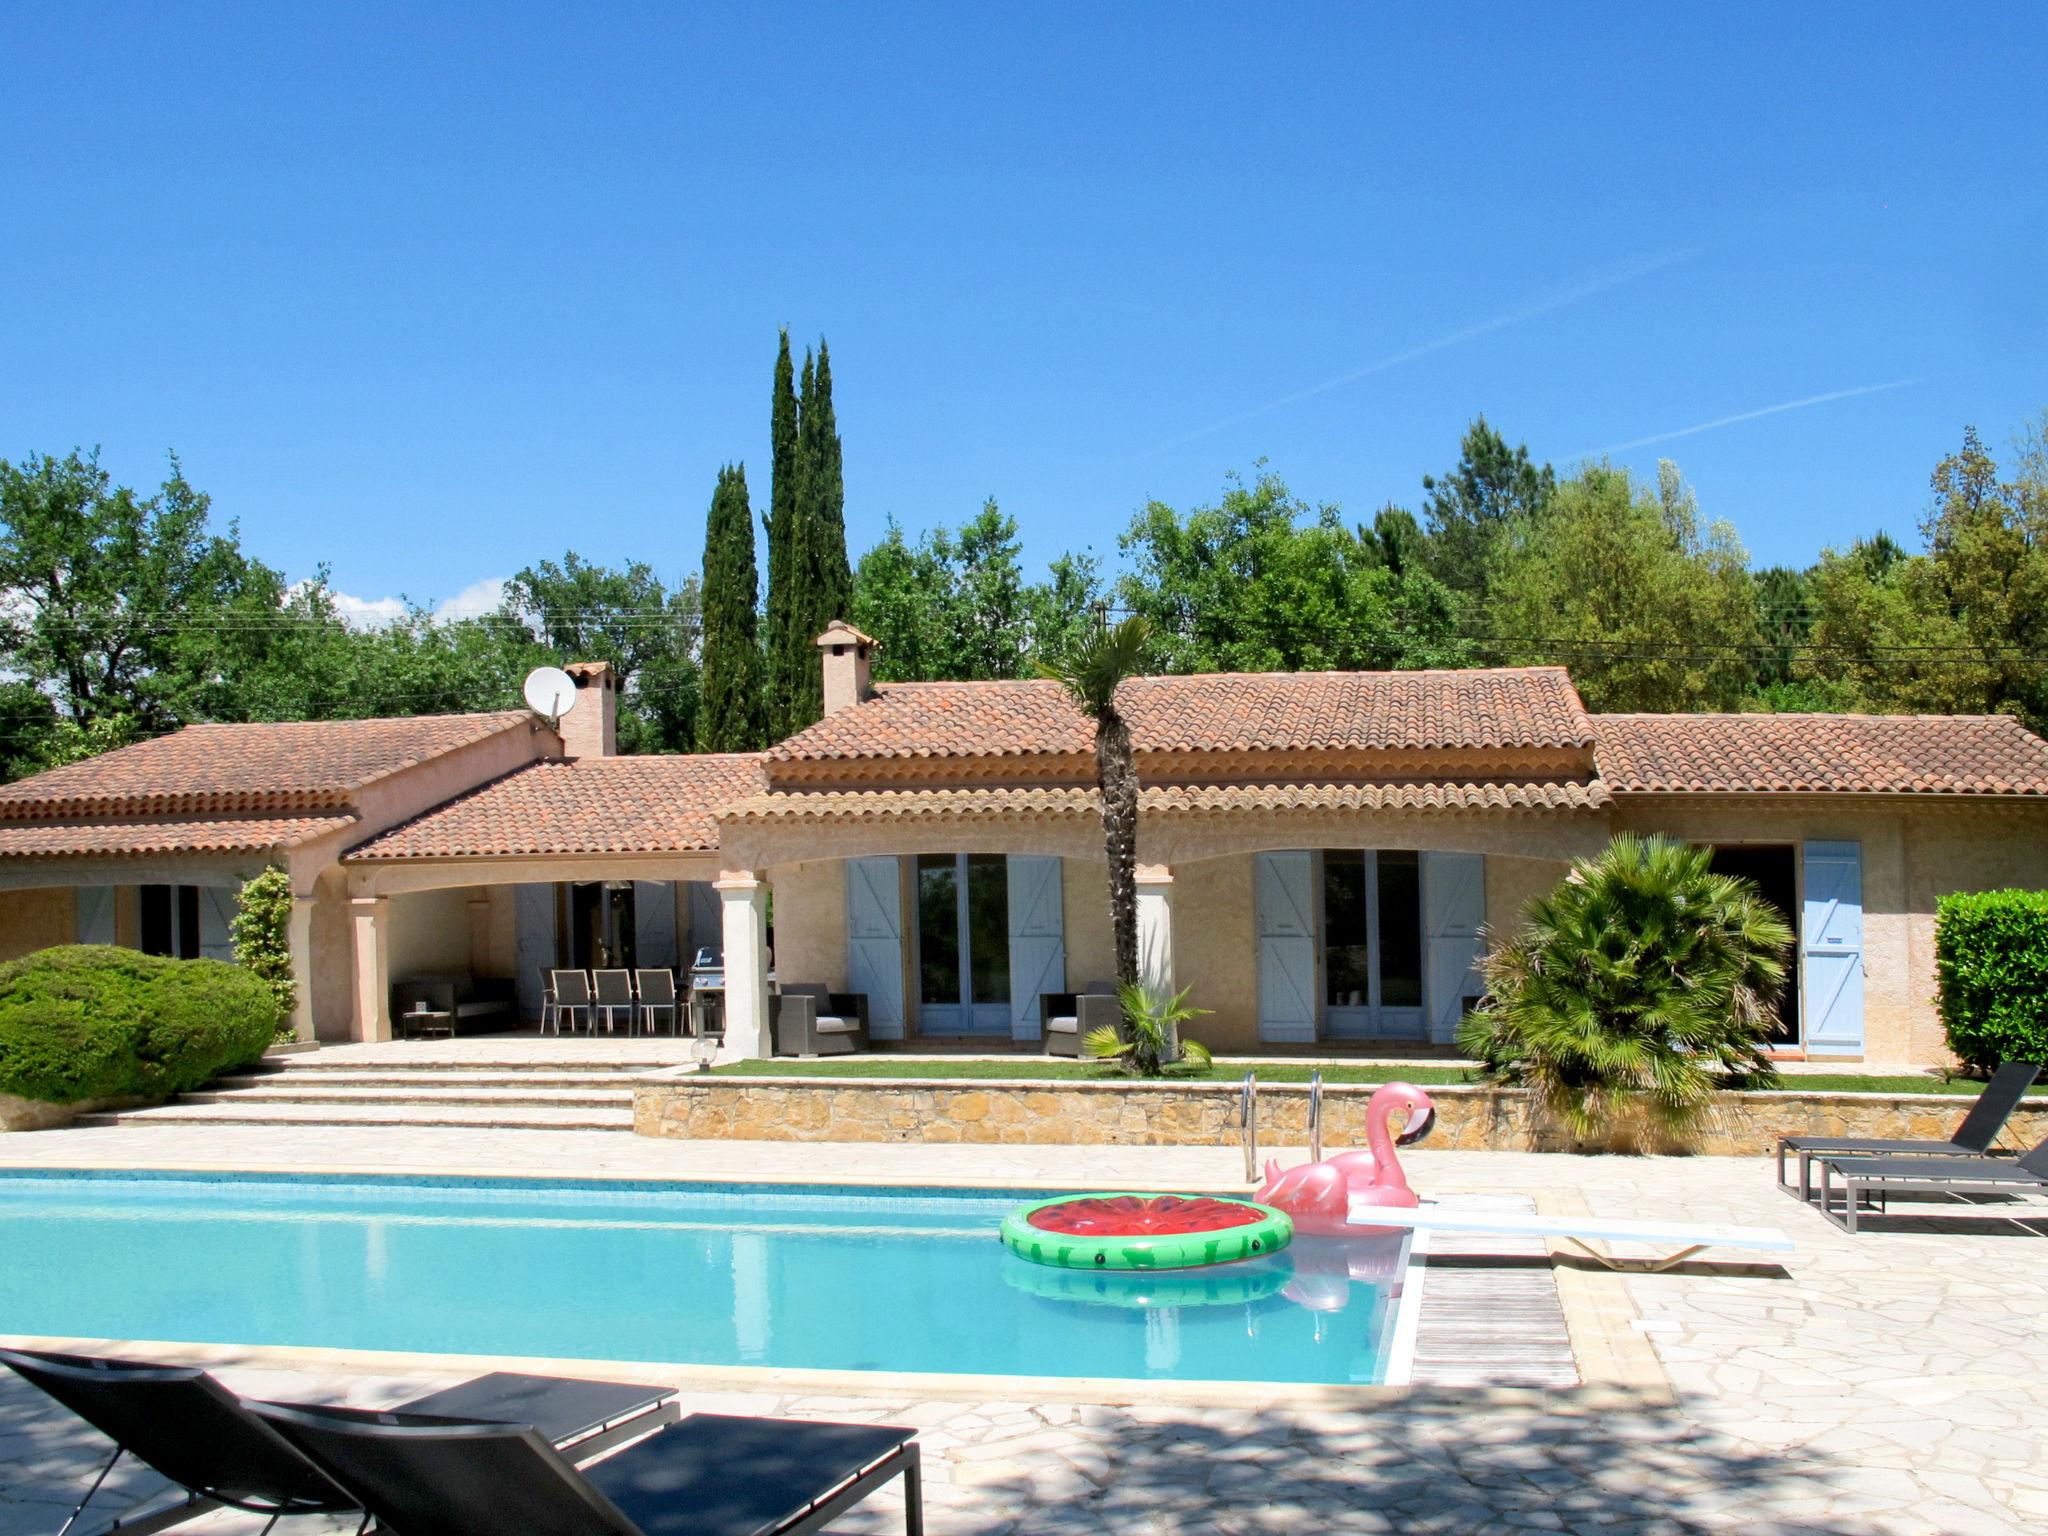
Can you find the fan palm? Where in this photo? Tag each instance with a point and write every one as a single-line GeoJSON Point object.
{"type": "Point", "coordinates": [1643, 976]}
{"type": "Point", "coordinates": [1091, 672]}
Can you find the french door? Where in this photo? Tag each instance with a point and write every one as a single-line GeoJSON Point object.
{"type": "Point", "coordinates": [963, 944]}
{"type": "Point", "coordinates": [1372, 955]}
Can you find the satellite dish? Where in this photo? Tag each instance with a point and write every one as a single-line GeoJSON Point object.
{"type": "Point", "coordinates": [550, 691]}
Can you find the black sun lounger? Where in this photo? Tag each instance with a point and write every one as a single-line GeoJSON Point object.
{"type": "Point", "coordinates": [710, 1475]}
{"type": "Point", "coordinates": [183, 1424]}
{"type": "Point", "coordinates": [1973, 1138]}
{"type": "Point", "coordinates": [1862, 1178]}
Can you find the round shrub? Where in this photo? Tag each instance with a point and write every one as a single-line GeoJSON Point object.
{"type": "Point", "coordinates": [91, 1021]}
{"type": "Point", "coordinates": [1991, 968]}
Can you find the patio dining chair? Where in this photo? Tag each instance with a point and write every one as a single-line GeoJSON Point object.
{"type": "Point", "coordinates": [613, 997]}
{"type": "Point", "coordinates": [657, 989]}
{"type": "Point", "coordinates": [572, 996]}
{"type": "Point", "coordinates": [548, 1013]}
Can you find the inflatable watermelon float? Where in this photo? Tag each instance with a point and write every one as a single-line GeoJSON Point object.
{"type": "Point", "coordinates": [1141, 1231]}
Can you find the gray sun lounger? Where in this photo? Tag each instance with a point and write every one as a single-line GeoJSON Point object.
{"type": "Point", "coordinates": [184, 1425]}
{"type": "Point", "coordinates": [1975, 1137]}
{"type": "Point", "coordinates": [1863, 1178]}
{"type": "Point", "coordinates": [710, 1475]}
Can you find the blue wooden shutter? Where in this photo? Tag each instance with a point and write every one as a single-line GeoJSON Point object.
{"type": "Point", "coordinates": [217, 904]}
{"type": "Point", "coordinates": [534, 909]}
{"type": "Point", "coordinates": [1284, 899]}
{"type": "Point", "coordinates": [96, 914]}
{"type": "Point", "coordinates": [1038, 939]}
{"type": "Point", "coordinates": [1454, 910]}
{"type": "Point", "coordinates": [1831, 948]}
{"type": "Point", "coordinates": [874, 942]}
{"type": "Point", "coordinates": [654, 925]}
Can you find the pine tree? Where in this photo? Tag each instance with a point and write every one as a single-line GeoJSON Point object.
{"type": "Point", "coordinates": [781, 528]}
{"type": "Point", "coordinates": [824, 590]}
{"type": "Point", "coordinates": [732, 718]}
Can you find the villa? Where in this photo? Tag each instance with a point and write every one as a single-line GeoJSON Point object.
{"type": "Point", "coordinates": [1321, 854]}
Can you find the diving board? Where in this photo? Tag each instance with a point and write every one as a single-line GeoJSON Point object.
{"type": "Point", "coordinates": [1580, 1231]}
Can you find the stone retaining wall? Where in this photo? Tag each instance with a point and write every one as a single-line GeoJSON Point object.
{"type": "Point", "coordinates": [19, 1114]}
{"type": "Point", "coordinates": [692, 1106]}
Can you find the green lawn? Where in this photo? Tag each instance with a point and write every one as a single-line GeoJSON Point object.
{"type": "Point", "coordinates": [1057, 1069]}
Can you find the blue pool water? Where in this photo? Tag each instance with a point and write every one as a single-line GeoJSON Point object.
{"type": "Point", "coordinates": [850, 1279]}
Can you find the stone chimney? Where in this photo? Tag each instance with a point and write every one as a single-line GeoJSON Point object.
{"type": "Point", "coordinates": [846, 652]}
{"type": "Point", "coordinates": [591, 729]}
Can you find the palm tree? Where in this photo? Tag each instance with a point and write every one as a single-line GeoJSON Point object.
{"type": "Point", "coordinates": [1643, 974]}
{"type": "Point", "coordinates": [1091, 671]}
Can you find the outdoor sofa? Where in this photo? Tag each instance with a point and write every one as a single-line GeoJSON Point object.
{"type": "Point", "coordinates": [183, 1424]}
{"type": "Point", "coordinates": [809, 1019]}
{"type": "Point", "coordinates": [474, 1004]}
{"type": "Point", "coordinates": [1975, 1137]}
{"type": "Point", "coordinates": [1070, 1017]}
{"type": "Point", "coordinates": [710, 1475]}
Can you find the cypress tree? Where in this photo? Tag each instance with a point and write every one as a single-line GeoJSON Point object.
{"type": "Point", "coordinates": [824, 590]}
{"type": "Point", "coordinates": [732, 717]}
{"type": "Point", "coordinates": [781, 528]}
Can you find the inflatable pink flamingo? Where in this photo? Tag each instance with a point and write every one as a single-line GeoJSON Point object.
{"type": "Point", "coordinates": [1320, 1195]}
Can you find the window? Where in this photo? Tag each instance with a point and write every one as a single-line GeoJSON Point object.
{"type": "Point", "coordinates": [963, 943]}
{"type": "Point", "coordinates": [1347, 923]}
{"type": "Point", "coordinates": [1400, 909]}
{"type": "Point", "coordinates": [170, 920]}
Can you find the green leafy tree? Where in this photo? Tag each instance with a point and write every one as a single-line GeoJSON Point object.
{"type": "Point", "coordinates": [1066, 606]}
{"type": "Point", "coordinates": [1263, 582]}
{"type": "Point", "coordinates": [951, 605]}
{"type": "Point", "coordinates": [1092, 673]}
{"type": "Point", "coordinates": [1620, 583]}
{"type": "Point", "coordinates": [1468, 510]}
{"type": "Point", "coordinates": [732, 718]}
{"type": "Point", "coordinates": [786, 661]}
{"type": "Point", "coordinates": [626, 616]}
{"type": "Point", "coordinates": [261, 934]}
{"type": "Point", "coordinates": [1644, 977]}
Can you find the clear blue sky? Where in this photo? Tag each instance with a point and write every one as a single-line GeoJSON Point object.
{"type": "Point", "coordinates": [427, 294]}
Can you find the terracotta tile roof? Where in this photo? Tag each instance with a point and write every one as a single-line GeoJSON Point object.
{"type": "Point", "coordinates": [587, 805]}
{"type": "Point", "coordinates": [290, 765]}
{"type": "Point", "coordinates": [1841, 754]}
{"type": "Point", "coordinates": [1173, 800]}
{"type": "Point", "coordinates": [1511, 707]}
{"type": "Point", "coordinates": [140, 839]}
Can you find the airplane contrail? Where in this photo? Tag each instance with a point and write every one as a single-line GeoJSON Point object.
{"type": "Point", "coordinates": [1543, 304]}
{"type": "Point", "coordinates": [1767, 410]}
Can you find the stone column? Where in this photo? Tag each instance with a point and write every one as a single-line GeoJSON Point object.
{"type": "Point", "coordinates": [479, 908]}
{"type": "Point", "coordinates": [1155, 927]}
{"type": "Point", "coordinates": [370, 918]}
{"type": "Point", "coordinates": [744, 912]}
{"type": "Point", "coordinates": [301, 942]}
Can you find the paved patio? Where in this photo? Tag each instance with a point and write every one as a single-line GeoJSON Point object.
{"type": "Point", "coordinates": [1889, 1382]}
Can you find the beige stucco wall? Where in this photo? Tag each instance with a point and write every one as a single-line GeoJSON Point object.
{"type": "Point", "coordinates": [1216, 949]}
{"type": "Point", "coordinates": [1084, 905]}
{"type": "Point", "coordinates": [37, 918]}
{"type": "Point", "coordinates": [1959, 851]}
{"type": "Point", "coordinates": [430, 934]}
{"type": "Point", "coordinates": [1510, 883]}
{"type": "Point", "coordinates": [810, 922]}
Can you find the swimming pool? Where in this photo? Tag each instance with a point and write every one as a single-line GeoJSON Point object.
{"type": "Point", "coordinates": [817, 1277]}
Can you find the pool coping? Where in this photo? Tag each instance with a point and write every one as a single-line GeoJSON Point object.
{"type": "Point", "coordinates": [1617, 1365]}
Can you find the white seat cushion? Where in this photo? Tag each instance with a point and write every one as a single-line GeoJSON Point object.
{"type": "Point", "coordinates": [832, 1026]}
{"type": "Point", "coordinates": [1064, 1026]}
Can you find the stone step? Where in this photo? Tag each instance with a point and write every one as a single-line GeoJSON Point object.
{"type": "Point", "coordinates": [266, 1082]}
{"type": "Point", "coordinates": [431, 1066]}
{"type": "Point", "coordinates": [468, 1117]}
{"type": "Point", "coordinates": [415, 1093]}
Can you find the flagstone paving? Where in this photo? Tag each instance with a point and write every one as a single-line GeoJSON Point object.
{"type": "Point", "coordinates": [1890, 1382]}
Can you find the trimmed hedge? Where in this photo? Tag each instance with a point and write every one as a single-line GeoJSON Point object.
{"type": "Point", "coordinates": [91, 1021]}
{"type": "Point", "coordinates": [1991, 964]}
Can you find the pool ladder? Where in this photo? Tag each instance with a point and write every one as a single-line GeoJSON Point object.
{"type": "Point", "coordinates": [1248, 1125]}
{"type": "Point", "coordinates": [1315, 1118]}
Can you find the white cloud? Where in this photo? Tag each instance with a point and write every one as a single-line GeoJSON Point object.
{"type": "Point", "coordinates": [474, 600]}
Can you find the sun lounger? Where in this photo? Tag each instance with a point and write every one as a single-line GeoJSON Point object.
{"type": "Point", "coordinates": [1975, 1137]}
{"type": "Point", "coordinates": [1862, 1178]}
{"type": "Point", "coordinates": [710, 1475]}
{"type": "Point", "coordinates": [1580, 1231]}
{"type": "Point", "coordinates": [185, 1425]}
